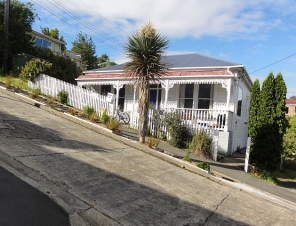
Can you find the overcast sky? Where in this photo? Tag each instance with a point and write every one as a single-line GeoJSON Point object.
{"type": "Point", "coordinates": [255, 33]}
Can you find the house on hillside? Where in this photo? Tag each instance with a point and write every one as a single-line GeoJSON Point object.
{"type": "Point", "coordinates": [55, 45]}
{"type": "Point", "coordinates": [43, 41]}
{"type": "Point", "coordinates": [209, 92]}
{"type": "Point", "coordinates": [290, 107]}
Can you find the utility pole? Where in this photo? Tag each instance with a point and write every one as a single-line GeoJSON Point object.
{"type": "Point", "coordinates": [6, 39]}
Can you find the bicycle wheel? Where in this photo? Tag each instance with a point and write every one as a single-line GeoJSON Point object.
{"type": "Point", "coordinates": [125, 117]}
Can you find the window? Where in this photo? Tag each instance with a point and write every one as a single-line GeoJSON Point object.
{"type": "Point", "coordinates": [204, 96]}
{"type": "Point", "coordinates": [38, 42]}
{"type": "Point", "coordinates": [105, 89]}
{"type": "Point", "coordinates": [42, 43]}
{"type": "Point", "coordinates": [155, 95]}
{"type": "Point", "coordinates": [186, 95]}
{"type": "Point", "coordinates": [239, 101]}
{"type": "Point", "coordinates": [287, 110]}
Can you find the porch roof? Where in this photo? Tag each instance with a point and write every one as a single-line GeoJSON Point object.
{"type": "Point", "coordinates": [167, 75]}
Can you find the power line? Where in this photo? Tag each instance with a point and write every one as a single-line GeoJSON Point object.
{"type": "Point", "coordinates": [62, 8]}
{"type": "Point", "coordinates": [273, 63]}
{"type": "Point", "coordinates": [60, 18]}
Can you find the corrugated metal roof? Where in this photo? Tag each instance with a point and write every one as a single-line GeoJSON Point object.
{"type": "Point", "coordinates": [180, 61]}
{"type": "Point", "coordinates": [290, 101]}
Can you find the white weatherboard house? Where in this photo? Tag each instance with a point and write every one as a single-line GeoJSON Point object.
{"type": "Point", "coordinates": [209, 93]}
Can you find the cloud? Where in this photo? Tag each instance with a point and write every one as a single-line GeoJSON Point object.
{"type": "Point", "coordinates": [174, 18]}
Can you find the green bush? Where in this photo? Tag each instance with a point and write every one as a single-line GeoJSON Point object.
{"type": "Point", "coordinates": [201, 144]}
{"type": "Point", "coordinates": [35, 93]}
{"type": "Point", "coordinates": [88, 111]}
{"type": "Point", "coordinates": [186, 157]}
{"type": "Point", "coordinates": [180, 134]}
{"type": "Point", "coordinates": [290, 141]}
{"type": "Point", "coordinates": [113, 124]}
{"type": "Point", "coordinates": [203, 165]}
{"type": "Point", "coordinates": [104, 117]}
{"type": "Point", "coordinates": [33, 68]}
{"type": "Point", "coordinates": [62, 97]}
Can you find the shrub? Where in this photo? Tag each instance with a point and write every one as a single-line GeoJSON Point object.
{"type": "Point", "coordinates": [289, 152]}
{"type": "Point", "coordinates": [81, 114]}
{"type": "Point", "coordinates": [51, 101]}
{"type": "Point", "coordinates": [201, 144]}
{"type": "Point", "coordinates": [72, 111]}
{"type": "Point", "coordinates": [114, 125]}
{"type": "Point", "coordinates": [186, 157]}
{"type": "Point", "coordinates": [203, 165]}
{"type": "Point", "coordinates": [93, 117]}
{"type": "Point", "coordinates": [88, 111]}
{"type": "Point", "coordinates": [33, 68]}
{"type": "Point", "coordinates": [180, 134]}
{"type": "Point", "coordinates": [153, 142]}
{"type": "Point", "coordinates": [62, 97]}
{"type": "Point", "coordinates": [8, 81]}
{"type": "Point", "coordinates": [35, 93]}
{"type": "Point", "coordinates": [104, 117]}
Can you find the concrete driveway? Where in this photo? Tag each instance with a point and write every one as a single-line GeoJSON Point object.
{"type": "Point", "coordinates": [106, 182]}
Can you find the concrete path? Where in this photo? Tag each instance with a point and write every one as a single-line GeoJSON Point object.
{"type": "Point", "coordinates": [100, 180]}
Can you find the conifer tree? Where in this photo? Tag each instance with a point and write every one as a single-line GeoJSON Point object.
{"type": "Point", "coordinates": [280, 108]}
{"type": "Point", "coordinates": [254, 108]}
{"type": "Point", "coordinates": [266, 153]}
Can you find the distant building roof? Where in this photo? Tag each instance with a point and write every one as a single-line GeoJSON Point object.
{"type": "Point", "coordinates": [192, 60]}
{"type": "Point", "coordinates": [290, 101]}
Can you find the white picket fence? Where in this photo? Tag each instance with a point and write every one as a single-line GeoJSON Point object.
{"type": "Point", "coordinates": [78, 97]}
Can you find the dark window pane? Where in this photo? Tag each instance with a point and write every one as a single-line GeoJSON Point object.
{"type": "Point", "coordinates": [287, 110]}
{"type": "Point", "coordinates": [121, 103]}
{"type": "Point", "coordinates": [44, 43]}
{"type": "Point", "coordinates": [105, 89]}
{"type": "Point", "coordinates": [38, 42]}
{"type": "Point", "coordinates": [188, 103]}
{"type": "Point", "coordinates": [239, 108]}
{"type": "Point", "coordinates": [203, 104]}
{"type": "Point", "coordinates": [204, 91]}
{"type": "Point", "coordinates": [189, 90]}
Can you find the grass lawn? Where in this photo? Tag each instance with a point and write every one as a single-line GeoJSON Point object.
{"type": "Point", "coordinates": [15, 81]}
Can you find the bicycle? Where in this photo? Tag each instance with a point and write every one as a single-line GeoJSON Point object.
{"type": "Point", "coordinates": [123, 116]}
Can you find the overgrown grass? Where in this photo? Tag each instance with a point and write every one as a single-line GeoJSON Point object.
{"type": "Point", "coordinates": [279, 176]}
{"type": "Point", "coordinates": [15, 81]}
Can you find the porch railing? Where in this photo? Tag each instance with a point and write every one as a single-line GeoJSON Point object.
{"type": "Point", "coordinates": [196, 119]}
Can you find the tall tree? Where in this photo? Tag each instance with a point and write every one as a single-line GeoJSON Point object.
{"type": "Point", "coordinates": [266, 153]}
{"type": "Point", "coordinates": [144, 49]}
{"type": "Point", "coordinates": [54, 33]}
{"type": "Point", "coordinates": [280, 91]}
{"type": "Point", "coordinates": [87, 49]}
{"type": "Point", "coordinates": [21, 18]}
{"type": "Point", "coordinates": [104, 61]}
{"type": "Point", "coordinates": [254, 109]}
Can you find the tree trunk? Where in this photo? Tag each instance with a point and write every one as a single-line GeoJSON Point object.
{"type": "Point", "coordinates": [143, 110]}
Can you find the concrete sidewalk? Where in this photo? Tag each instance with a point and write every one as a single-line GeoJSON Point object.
{"type": "Point", "coordinates": [230, 168]}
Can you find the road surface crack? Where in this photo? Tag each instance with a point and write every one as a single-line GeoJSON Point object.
{"type": "Point", "coordinates": [219, 204]}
